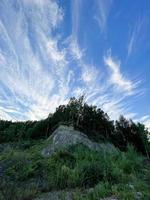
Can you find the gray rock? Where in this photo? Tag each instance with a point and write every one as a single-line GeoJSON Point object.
{"type": "Point", "coordinates": [65, 136]}
{"type": "Point", "coordinates": [110, 198]}
{"type": "Point", "coordinates": [138, 195]}
{"type": "Point", "coordinates": [57, 195]}
{"type": "Point", "coordinates": [66, 195]}
{"type": "Point", "coordinates": [131, 186]}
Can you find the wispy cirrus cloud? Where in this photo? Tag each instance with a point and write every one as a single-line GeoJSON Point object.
{"type": "Point", "coordinates": [89, 74]}
{"type": "Point", "coordinates": [76, 14]}
{"type": "Point", "coordinates": [97, 86]}
{"type": "Point", "coordinates": [135, 35]}
{"type": "Point", "coordinates": [38, 2]}
{"type": "Point", "coordinates": [116, 77]}
{"type": "Point", "coordinates": [32, 62]}
{"type": "Point", "coordinates": [39, 70]}
{"type": "Point", "coordinates": [76, 52]}
{"type": "Point", "coordinates": [104, 7]}
{"type": "Point", "coordinates": [35, 72]}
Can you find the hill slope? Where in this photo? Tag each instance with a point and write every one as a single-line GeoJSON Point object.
{"type": "Point", "coordinates": [74, 170]}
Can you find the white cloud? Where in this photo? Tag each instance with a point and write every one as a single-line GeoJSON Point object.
{"type": "Point", "coordinates": [53, 52]}
{"type": "Point", "coordinates": [48, 8]}
{"type": "Point", "coordinates": [116, 77]}
{"type": "Point", "coordinates": [74, 49]}
{"type": "Point", "coordinates": [89, 74]}
{"type": "Point", "coordinates": [135, 35]}
{"type": "Point", "coordinates": [130, 115]}
{"type": "Point", "coordinates": [38, 2]}
{"type": "Point", "coordinates": [147, 123]}
{"type": "Point", "coordinates": [104, 7]}
{"type": "Point", "coordinates": [76, 13]}
{"type": "Point", "coordinates": [2, 59]}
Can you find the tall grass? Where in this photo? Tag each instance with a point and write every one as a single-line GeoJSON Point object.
{"type": "Point", "coordinates": [27, 173]}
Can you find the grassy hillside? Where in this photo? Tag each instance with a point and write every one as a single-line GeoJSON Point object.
{"type": "Point", "coordinates": [25, 174]}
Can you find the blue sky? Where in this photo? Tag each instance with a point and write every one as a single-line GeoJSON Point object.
{"type": "Point", "coordinates": [51, 50]}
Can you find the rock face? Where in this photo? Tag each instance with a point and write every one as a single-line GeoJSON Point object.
{"type": "Point", "coordinates": [65, 136]}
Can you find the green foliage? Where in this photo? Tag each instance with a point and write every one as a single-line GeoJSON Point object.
{"type": "Point", "coordinates": [11, 190]}
{"type": "Point", "coordinates": [90, 174]}
{"type": "Point", "coordinates": [26, 173]}
{"type": "Point", "coordinates": [127, 132]}
{"type": "Point", "coordinates": [65, 158]}
{"type": "Point", "coordinates": [131, 162]}
{"type": "Point", "coordinates": [101, 190]}
{"type": "Point", "coordinates": [21, 168]}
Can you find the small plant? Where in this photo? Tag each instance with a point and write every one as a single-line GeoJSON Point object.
{"type": "Point", "coordinates": [130, 161]}
{"type": "Point", "coordinates": [62, 176]}
{"type": "Point", "coordinates": [90, 174]}
{"type": "Point", "coordinates": [64, 157]}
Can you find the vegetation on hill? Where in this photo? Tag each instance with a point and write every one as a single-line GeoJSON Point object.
{"type": "Point", "coordinates": [91, 120]}
{"type": "Point", "coordinates": [25, 173]}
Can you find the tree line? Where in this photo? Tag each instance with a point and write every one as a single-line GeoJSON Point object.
{"type": "Point", "coordinates": [87, 118]}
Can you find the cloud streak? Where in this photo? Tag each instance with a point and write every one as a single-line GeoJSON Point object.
{"type": "Point", "coordinates": [116, 77]}
{"type": "Point", "coordinates": [135, 35]}
{"type": "Point", "coordinates": [104, 7]}
{"type": "Point", "coordinates": [76, 13]}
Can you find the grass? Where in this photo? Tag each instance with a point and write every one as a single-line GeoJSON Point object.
{"type": "Point", "coordinates": [26, 173]}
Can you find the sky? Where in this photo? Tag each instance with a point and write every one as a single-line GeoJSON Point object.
{"type": "Point", "coordinates": [51, 50]}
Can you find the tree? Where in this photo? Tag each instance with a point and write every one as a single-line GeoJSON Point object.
{"type": "Point", "coordinates": [128, 132]}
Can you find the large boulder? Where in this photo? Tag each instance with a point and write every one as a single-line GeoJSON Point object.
{"type": "Point", "coordinates": [65, 136]}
